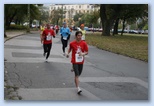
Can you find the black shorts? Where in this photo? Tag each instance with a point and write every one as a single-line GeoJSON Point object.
{"type": "Point", "coordinates": [77, 69]}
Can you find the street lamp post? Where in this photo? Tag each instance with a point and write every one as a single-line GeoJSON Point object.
{"type": "Point", "coordinates": [62, 15]}
{"type": "Point", "coordinates": [28, 15]}
{"type": "Point", "coordinates": [71, 16]}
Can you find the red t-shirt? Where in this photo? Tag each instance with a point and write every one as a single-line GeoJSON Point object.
{"type": "Point", "coordinates": [47, 36]}
{"type": "Point", "coordinates": [78, 47]}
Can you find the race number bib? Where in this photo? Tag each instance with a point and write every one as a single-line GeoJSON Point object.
{"type": "Point", "coordinates": [65, 38]}
{"type": "Point", "coordinates": [83, 37]}
{"type": "Point", "coordinates": [48, 37]}
{"type": "Point", "coordinates": [78, 58]}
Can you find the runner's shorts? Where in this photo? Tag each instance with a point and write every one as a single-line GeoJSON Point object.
{"type": "Point", "coordinates": [77, 69]}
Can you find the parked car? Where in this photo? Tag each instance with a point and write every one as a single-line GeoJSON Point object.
{"type": "Point", "coordinates": [100, 30]}
{"type": "Point", "coordinates": [86, 28]}
{"type": "Point", "coordinates": [78, 28]}
{"type": "Point", "coordinates": [25, 24]}
{"type": "Point", "coordinates": [90, 29]}
{"type": "Point", "coordinates": [145, 32]}
{"type": "Point", "coordinates": [133, 31]}
{"type": "Point", "coordinates": [33, 25]}
{"type": "Point", "coordinates": [12, 23]}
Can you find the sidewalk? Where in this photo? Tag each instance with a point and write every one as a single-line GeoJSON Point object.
{"type": "Point", "coordinates": [10, 90]}
{"type": "Point", "coordinates": [12, 34]}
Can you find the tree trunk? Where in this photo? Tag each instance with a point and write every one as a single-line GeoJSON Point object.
{"type": "Point", "coordinates": [40, 23]}
{"type": "Point", "coordinates": [57, 21]}
{"type": "Point", "coordinates": [115, 31]}
{"type": "Point", "coordinates": [106, 22]}
{"type": "Point", "coordinates": [6, 22]}
{"type": "Point", "coordinates": [106, 28]}
{"type": "Point", "coordinates": [123, 26]}
{"type": "Point", "coordinates": [5, 35]}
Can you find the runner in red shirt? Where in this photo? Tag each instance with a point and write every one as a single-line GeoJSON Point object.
{"type": "Point", "coordinates": [47, 40]}
{"type": "Point", "coordinates": [79, 49]}
{"type": "Point", "coordinates": [57, 28]}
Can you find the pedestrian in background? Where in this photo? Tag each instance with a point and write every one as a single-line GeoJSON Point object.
{"type": "Point", "coordinates": [47, 35]}
{"type": "Point", "coordinates": [79, 49]}
{"type": "Point", "coordinates": [65, 36]}
{"type": "Point", "coordinates": [83, 31]}
{"type": "Point", "coordinates": [57, 29]}
{"type": "Point", "coordinates": [42, 28]}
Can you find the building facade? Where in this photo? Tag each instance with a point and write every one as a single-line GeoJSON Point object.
{"type": "Point", "coordinates": [70, 10]}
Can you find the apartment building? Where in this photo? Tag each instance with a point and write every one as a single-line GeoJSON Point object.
{"type": "Point", "coordinates": [71, 10]}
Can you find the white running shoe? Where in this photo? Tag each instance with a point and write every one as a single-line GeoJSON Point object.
{"type": "Point", "coordinates": [46, 60]}
{"type": "Point", "coordinates": [79, 90]}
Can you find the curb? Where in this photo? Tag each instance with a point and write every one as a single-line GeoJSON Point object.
{"type": "Point", "coordinates": [10, 90]}
{"type": "Point", "coordinates": [13, 37]}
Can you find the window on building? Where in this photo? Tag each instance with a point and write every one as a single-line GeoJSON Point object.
{"type": "Point", "coordinates": [79, 6]}
{"type": "Point", "coordinates": [87, 6]}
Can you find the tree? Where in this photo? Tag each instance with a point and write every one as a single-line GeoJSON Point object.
{"type": "Point", "coordinates": [77, 16]}
{"type": "Point", "coordinates": [132, 12]}
{"type": "Point", "coordinates": [18, 12]}
{"type": "Point", "coordinates": [56, 16]}
{"type": "Point", "coordinates": [10, 11]}
{"type": "Point", "coordinates": [44, 17]}
{"type": "Point", "coordinates": [111, 13]}
{"type": "Point", "coordinates": [107, 14]}
{"type": "Point", "coordinates": [92, 18]}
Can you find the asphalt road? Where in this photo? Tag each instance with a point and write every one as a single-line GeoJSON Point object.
{"type": "Point", "coordinates": [106, 76]}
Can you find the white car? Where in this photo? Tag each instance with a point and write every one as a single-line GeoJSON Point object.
{"type": "Point", "coordinates": [33, 26]}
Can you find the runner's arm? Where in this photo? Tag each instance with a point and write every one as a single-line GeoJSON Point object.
{"type": "Point", "coordinates": [84, 53]}
{"type": "Point", "coordinates": [85, 50]}
{"type": "Point", "coordinates": [53, 33]}
{"type": "Point", "coordinates": [69, 50]}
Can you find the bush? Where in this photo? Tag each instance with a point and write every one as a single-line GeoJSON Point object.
{"type": "Point", "coordinates": [16, 27]}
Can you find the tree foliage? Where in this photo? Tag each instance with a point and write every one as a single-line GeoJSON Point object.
{"type": "Point", "coordinates": [110, 13]}
{"type": "Point", "coordinates": [56, 15]}
{"type": "Point", "coordinates": [78, 16]}
{"type": "Point", "coordinates": [18, 13]}
{"type": "Point", "coordinates": [44, 17]}
{"type": "Point", "coordinates": [92, 17]}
